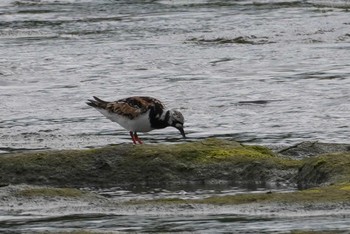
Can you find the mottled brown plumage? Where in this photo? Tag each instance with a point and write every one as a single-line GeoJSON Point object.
{"type": "Point", "coordinates": [131, 107]}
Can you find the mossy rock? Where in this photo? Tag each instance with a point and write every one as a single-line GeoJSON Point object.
{"type": "Point", "coordinates": [149, 165]}
{"type": "Point", "coordinates": [324, 170]}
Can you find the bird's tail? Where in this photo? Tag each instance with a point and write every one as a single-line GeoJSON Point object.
{"type": "Point", "coordinates": [97, 103]}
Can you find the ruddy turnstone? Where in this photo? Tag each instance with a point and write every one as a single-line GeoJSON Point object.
{"type": "Point", "coordinates": [139, 114]}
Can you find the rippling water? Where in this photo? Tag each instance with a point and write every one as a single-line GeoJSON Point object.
{"type": "Point", "coordinates": [185, 224]}
{"type": "Point", "coordinates": [271, 72]}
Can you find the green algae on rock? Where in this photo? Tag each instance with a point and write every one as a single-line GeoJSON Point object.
{"type": "Point", "coordinates": [50, 192]}
{"type": "Point", "coordinates": [207, 161]}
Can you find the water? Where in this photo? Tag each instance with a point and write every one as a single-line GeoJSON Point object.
{"type": "Point", "coordinates": [186, 223]}
{"type": "Point", "coordinates": [266, 72]}
{"type": "Point", "coordinates": [65, 215]}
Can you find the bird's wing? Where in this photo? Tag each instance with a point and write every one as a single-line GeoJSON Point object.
{"type": "Point", "coordinates": [132, 107]}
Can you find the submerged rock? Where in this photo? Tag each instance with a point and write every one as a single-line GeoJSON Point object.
{"type": "Point", "coordinates": [63, 202]}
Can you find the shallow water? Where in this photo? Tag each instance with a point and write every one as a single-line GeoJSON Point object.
{"type": "Point", "coordinates": [271, 72]}
{"type": "Point", "coordinates": [187, 192]}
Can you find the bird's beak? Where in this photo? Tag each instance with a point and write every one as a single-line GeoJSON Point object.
{"type": "Point", "coordinates": [182, 132]}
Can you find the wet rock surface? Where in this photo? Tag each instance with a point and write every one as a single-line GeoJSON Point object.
{"type": "Point", "coordinates": [310, 149]}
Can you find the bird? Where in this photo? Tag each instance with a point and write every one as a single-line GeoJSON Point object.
{"type": "Point", "coordinates": [139, 114]}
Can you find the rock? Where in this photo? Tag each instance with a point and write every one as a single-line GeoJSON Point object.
{"type": "Point", "coordinates": [150, 165]}
{"type": "Point", "coordinates": [324, 170]}
{"type": "Point", "coordinates": [203, 162]}
{"type": "Point", "coordinates": [309, 149]}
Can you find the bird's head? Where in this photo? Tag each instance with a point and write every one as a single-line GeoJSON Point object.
{"type": "Point", "coordinates": [177, 120]}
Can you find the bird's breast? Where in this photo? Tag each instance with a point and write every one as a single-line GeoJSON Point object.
{"type": "Point", "coordinates": [140, 123]}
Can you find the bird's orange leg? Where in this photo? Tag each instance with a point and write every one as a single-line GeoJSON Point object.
{"type": "Point", "coordinates": [132, 137]}
{"type": "Point", "coordinates": [137, 138]}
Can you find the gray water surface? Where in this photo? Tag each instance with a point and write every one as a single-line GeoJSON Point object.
{"type": "Point", "coordinates": [266, 72]}
{"type": "Point", "coordinates": [186, 223]}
